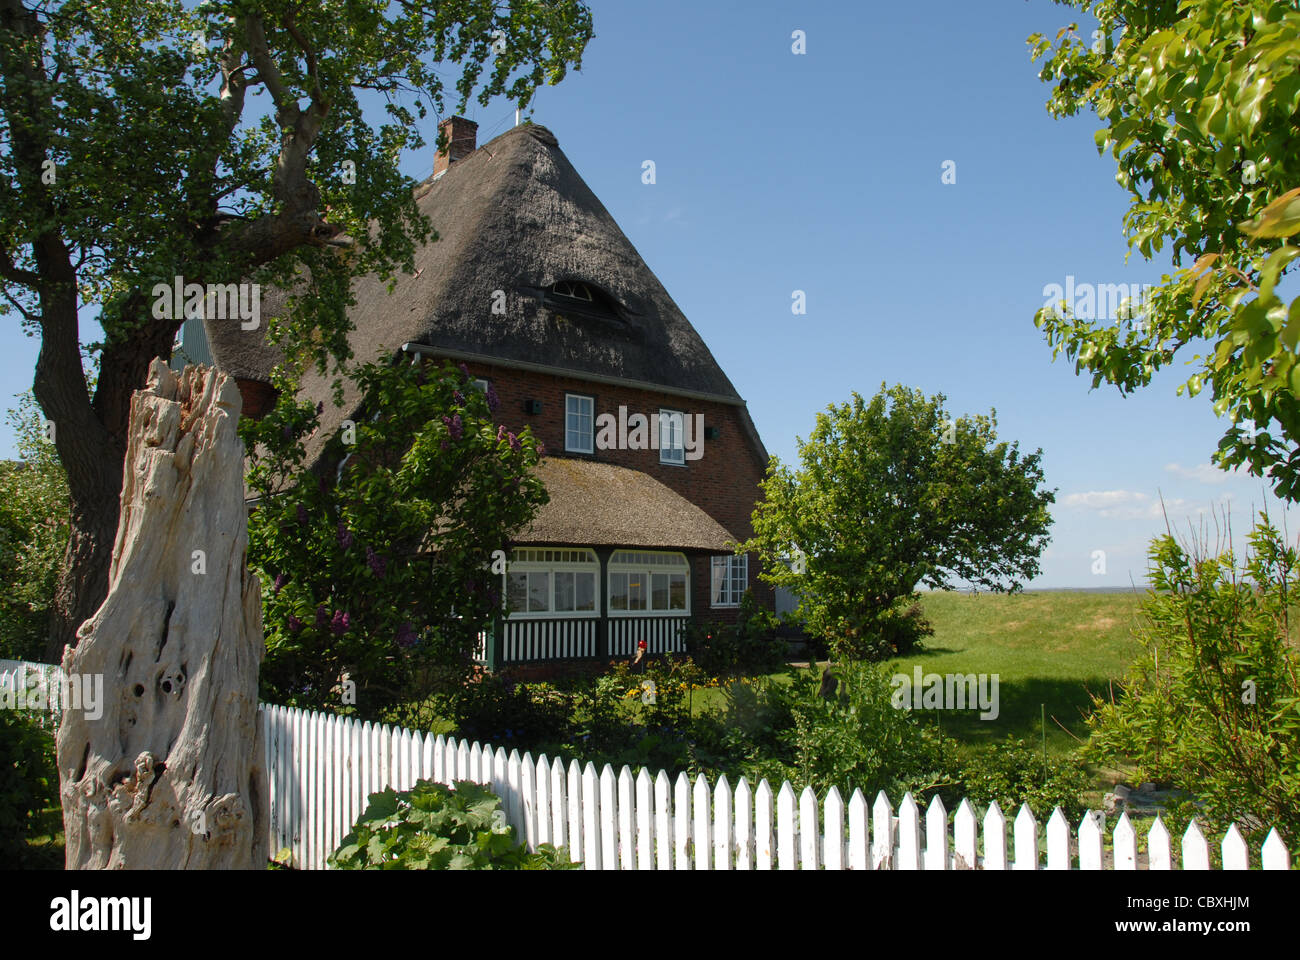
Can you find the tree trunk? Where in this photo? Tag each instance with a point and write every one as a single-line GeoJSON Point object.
{"type": "Point", "coordinates": [169, 775]}
{"type": "Point", "coordinates": [83, 579]}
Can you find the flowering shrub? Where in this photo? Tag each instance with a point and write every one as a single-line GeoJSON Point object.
{"type": "Point", "coordinates": [378, 575]}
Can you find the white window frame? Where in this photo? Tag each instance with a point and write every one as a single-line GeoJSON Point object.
{"type": "Point", "coordinates": [670, 453]}
{"type": "Point", "coordinates": [731, 570]}
{"type": "Point", "coordinates": [590, 402]}
{"type": "Point", "coordinates": [481, 384]}
{"type": "Point", "coordinates": [543, 560]}
{"type": "Point", "coordinates": [646, 563]}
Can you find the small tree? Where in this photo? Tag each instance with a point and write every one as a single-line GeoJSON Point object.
{"type": "Point", "coordinates": [1212, 704]}
{"type": "Point", "coordinates": [34, 519]}
{"type": "Point", "coordinates": [893, 493]}
{"type": "Point", "coordinates": [378, 576]}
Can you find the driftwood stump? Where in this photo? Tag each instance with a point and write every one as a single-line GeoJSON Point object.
{"type": "Point", "coordinates": [170, 775]}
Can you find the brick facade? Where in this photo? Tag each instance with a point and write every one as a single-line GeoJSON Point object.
{"type": "Point", "coordinates": [723, 482]}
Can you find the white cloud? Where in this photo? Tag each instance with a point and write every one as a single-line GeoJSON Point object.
{"type": "Point", "coordinates": [1202, 472]}
{"type": "Point", "coordinates": [1102, 499]}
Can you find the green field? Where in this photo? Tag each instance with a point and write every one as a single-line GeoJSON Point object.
{"type": "Point", "coordinates": [1049, 650]}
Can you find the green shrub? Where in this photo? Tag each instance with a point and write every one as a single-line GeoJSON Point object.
{"type": "Point", "coordinates": [1212, 704]}
{"type": "Point", "coordinates": [29, 788]}
{"type": "Point", "coordinates": [747, 647]}
{"type": "Point", "coordinates": [1013, 773]}
{"type": "Point", "coordinates": [436, 827]}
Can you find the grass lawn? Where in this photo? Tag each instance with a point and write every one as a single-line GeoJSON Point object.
{"type": "Point", "coordinates": [1049, 650]}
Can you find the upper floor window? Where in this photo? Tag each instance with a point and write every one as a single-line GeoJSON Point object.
{"type": "Point", "coordinates": [573, 290]}
{"type": "Point", "coordinates": [579, 423]}
{"type": "Point", "coordinates": [672, 446]}
{"type": "Point", "coordinates": [730, 579]}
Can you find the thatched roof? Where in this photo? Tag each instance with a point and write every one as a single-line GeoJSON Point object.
{"type": "Point", "coordinates": [599, 504]}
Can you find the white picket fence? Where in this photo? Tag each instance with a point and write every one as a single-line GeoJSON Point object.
{"type": "Point", "coordinates": [321, 768]}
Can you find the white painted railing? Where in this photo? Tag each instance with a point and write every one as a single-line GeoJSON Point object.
{"type": "Point", "coordinates": [321, 768]}
{"type": "Point", "coordinates": [661, 634]}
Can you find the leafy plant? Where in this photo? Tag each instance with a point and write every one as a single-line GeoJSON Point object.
{"type": "Point", "coordinates": [379, 574]}
{"type": "Point", "coordinates": [436, 827]}
{"type": "Point", "coordinates": [1212, 705]}
{"type": "Point", "coordinates": [1197, 101]}
{"type": "Point", "coordinates": [29, 788]}
{"type": "Point", "coordinates": [892, 493]}
{"type": "Point", "coordinates": [749, 646]}
{"type": "Point", "coordinates": [1013, 773]}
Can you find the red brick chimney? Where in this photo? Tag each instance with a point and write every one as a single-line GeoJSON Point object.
{"type": "Point", "coordinates": [461, 142]}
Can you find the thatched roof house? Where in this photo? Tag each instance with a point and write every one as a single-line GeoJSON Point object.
{"type": "Point", "coordinates": [582, 327]}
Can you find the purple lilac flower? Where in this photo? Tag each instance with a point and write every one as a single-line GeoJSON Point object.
{"type": "Point", "coordinates": [322, 616]}
{"type": "Point", "coordinates": [492, 400]}
{"type": "Point", "coordinates": [406, 635]}
{"type": "Point", "coordinates": [501, 433]}
{"type": "Point", "coordinates": [345, 536]}
{"type": "Point", "coordinates": [457, 428]}
{"type": "Point", "coordinates": [280, 580]}
{"type": "Point", "coordinates": [340, 624]}
{"type": "Point", "coordinates": [514, 442]}
{"type": "Point", "coordinates": [458, 397]}
{"type": "Point", "coordinates": [377, 563]}
{"type": "Point", "coordinates": [464, 369]}
{"type": "Point", "coordinates": [294, 624]}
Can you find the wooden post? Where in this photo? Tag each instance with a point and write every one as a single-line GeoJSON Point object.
{"type": "Point", "coordinates": [168, 773]}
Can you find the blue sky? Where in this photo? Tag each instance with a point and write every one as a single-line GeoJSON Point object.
{"type": "Point", "coordinates": [822, 172]}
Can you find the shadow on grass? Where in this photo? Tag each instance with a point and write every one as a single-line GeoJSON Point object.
{"type": "Point", "coordinates": [1020, 710]}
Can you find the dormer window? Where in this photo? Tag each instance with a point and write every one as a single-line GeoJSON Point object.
{"type": "Point", "coordinates": [573, 290]}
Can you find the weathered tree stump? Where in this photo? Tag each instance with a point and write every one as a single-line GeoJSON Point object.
{"type": "Point", "coordinates": [170, 776]}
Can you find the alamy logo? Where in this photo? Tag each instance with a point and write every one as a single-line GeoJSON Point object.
{"type": "Point", "coordinates": [1101, 301]}
{"type": "Point", "coordinates": [677, 431]}
{"type": "Point", "coordinates": [77, 913]}
{"type": "Point", "coordinates": [952, 691]}
{"type": "Point", "coordinates": [214, 301]}
{"type": "Point", "coordinates": [72, 692]}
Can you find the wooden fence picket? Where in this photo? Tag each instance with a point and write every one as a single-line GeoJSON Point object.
{"type": "Point", "coordinates": [936, 835]}
{"type": "Point", "coordinates": [722, 813]}
{"type": "Point", "coordinates": [1025, 839]}
{"type": "Point", "coordinates": [1196, 852]}
{"type": "Point", "coordinates": [703, 816]}
{"type": "Point", "coordinates": [543, 800]}
{"type": "Point", "coordinates": [909, 834]}
{"type": "Point", "coordinates": [785, 828]}
{"type": "Point", "coordinates": [682, 822]}
{"type": "Point", "coordinates": [744, 821]}
{"type": "Point", "coordinates": [1159, 847]}
{"type": "Point", "coordinates": [574, 795]}
{"type": "Point", "coordinates": [626, 820]}
{"type": "Point", "coordinates": [1124, 841]}
{"type": "Point", "coordinates": [663, 822]}
{"type": "Point", "coordinates": [645, 821]}
{"type": "Point", "coordinates": [763, 825]}
{"type": "Point", "coordinates": [608, 819]}
{"type": "Point", "coordinates": [591, 848]}
{"type": "Point", "coordinates": [965, 831]}
{"type": "Point", "coordinates": [1092, 830]}
{"type": "Point", "coordinates": [995, 838]}
{"type": "Point", "coordinates": [810, 835]}
{"type": "Point", "coordinates": [1236, 856]}
{"type": "Point", "coordinates": [1058, 841]}
{"type": "Point", "coordinates": [560, 835]}
{"type": "Point", "coordinates": [882, 833]}
{"type": "Point", "coordinates": [833, 831]}
{"type": "Point", "coordinates": [528, 800]}
{"type": "Point", "coordinates": [1276, 856]}
{"type": "Point", "coordinates": [859, 834]}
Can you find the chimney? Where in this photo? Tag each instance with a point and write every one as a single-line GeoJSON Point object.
{"type": "Point", "coordinates": [461, 136]}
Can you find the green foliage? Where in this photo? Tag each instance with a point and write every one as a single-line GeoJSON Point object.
{"type": "Point", "coordinates": [436, 827]}
{"type": "Point", "coordinates": [1198, 102]}
{"type": "Point", "coordinates": [34, 516]}
{"type": "Point", "coordinates": [747, 647]}
{"type": "Point", "coordinates": [29, 788]}
{"type": "Point", "coordinates": [1212, 705]}
{"type": "Point", "coordinates": [891, 493]}
{"type": "Point", "coordinates": [1013, 772]}
{"type": "Point", "coordinates": [382, 571]}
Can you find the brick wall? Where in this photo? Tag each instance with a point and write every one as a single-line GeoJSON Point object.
{"type": "Point", "coordinates": [723, 482]}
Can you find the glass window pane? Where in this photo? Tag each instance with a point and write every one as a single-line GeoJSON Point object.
{"type": "Point", "coordinates": [585, 589]}
{"type": "Point", "coordinates": [636, 591]}
{"type": "Point", "coordinates": [618, 591]}
{"type": "Point", "coordinates": [539, 591]}
{"type": "Point", "coordinates": [517, 593]}
{"type": "Point", "coordinates": [563, 590]}
{"type": "Point", "coordinates": [677, 591]}
{"type": "Point", "coordinates": [659, 591]}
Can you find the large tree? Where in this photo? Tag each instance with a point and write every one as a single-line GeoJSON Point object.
{"type": "Point", "coordinates": [892, 493]}
{"type": "Point", "coordinates": [1200, 106]}
{"type": "Point", "coordinates": [133, 149]}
